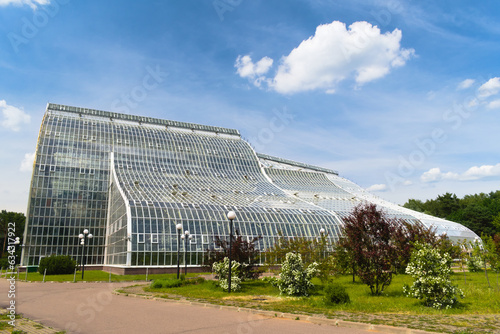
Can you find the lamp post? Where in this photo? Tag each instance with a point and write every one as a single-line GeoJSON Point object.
{"type": "Point", "coordinates": [82, 237]}
{"type": "Point", "coordinates": [179, 228]}
{"type": "Point", "coordinates": [230, 215]}
{"type": "Point", "coordinates": [185, 237]}
{"type": "Point", "coordinates": [323, 244]}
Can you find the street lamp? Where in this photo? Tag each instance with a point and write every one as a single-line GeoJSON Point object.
{"type": "Point", "coordinates": [323, 243]}
{"type": "Point", "coordinates": [185, 237]}
{"type": "Point", "coordinates": [230, 215]}
{"type": "Point", "coordinates": [179, 228]}
{"type": "Point", "coordinates": [82, 237]}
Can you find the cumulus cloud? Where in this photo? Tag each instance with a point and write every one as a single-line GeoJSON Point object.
{"type": "Point", "coordinates": [335, 53]}
{"type": "Point", "coordinates": [377, 187]}
{"type": "Point", "coordinates": [494, 104]}
{"type": "Point", "coordinates": [246, 68]}
{"type": "Point", "coordinates": [491, 87]}
{"type": "Point", "coordinates": [473, 173]}
{"type": "Point", "coordinates": [32, 3]}
{"type": "Point", "coordinates": [466, 83]}
{"type": "Point", "coordinates": [12, 117]}
{"type": "Point", "coordinates": [27, 163]}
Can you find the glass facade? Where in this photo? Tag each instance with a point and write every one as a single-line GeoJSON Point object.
{"type": "Point", "coordinates": [131, 179]}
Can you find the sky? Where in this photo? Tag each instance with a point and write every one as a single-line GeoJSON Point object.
{"type": "Point", "coordinates": [401, 97]}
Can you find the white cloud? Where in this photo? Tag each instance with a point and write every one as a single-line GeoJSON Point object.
{"type": "Point", "coordinates": [491, 87]}
{"type": "Point", "coordinates": [435, 174]}
{"type": "Point", "coordinates": [253, 71]}
{"type": "Point", "coordinates": [335, 53]}
{"type": "Point", "coordinates": [473, 173]}
{"type": "Point", "coordinates": [32, 3]}
{"type": "Point", "coordinates": [466, 83]}
{"type": "Point", "coordinates": [377, 187]}
{"type": "Point", "coordinates": [27, 163]}
{"type": "Point", "coordinates": [13, 117]}
{"type": "Point", "coordinates": [494, 104]}
{"type": "Point", "coordinates": [407, 183]}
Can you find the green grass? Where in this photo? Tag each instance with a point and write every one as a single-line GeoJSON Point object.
{"type": "Point", "coordinates": [478, 312]}
{"type": "Point", "coordinates": [94, 276]}
{"type": "Point", "coordinates": [479, 299]}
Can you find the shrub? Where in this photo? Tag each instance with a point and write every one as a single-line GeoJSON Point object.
{"type": "Point", "coordinates": [335, 294]}
{"type": "Point", "coordinates": [475, 264]}
{"type": "Point", "coordinates": [295, 280]}
{"type": "Point", "coordinates": [174, 283]}
{"type": "Point", "coordinates": [431, 271]}
{"type": "Point", "coordinates": [221, 269]}
{"type": "Point", "coordinates": [57, 265]}
{"type": "Point", "coordinates": [156, 284]}
{"type": "Point", "coordinates": [242, 251]}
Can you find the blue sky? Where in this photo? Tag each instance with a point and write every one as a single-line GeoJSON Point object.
{"type": "Point", "coordinates": [401, 97]}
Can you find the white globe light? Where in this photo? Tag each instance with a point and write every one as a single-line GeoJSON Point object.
{"type": "Point", "coordinates": [178, 226]}
{"type": "Point", "coordinates": [80, 236]}
{"type": "Point", "coordinates": [186, 232]}
{"type": "Point", "coordinates": [85, 231]}
{"type": "Point", "coordinates": [231, 215]}
{"type": "Point", "coordinates": [89, 236]}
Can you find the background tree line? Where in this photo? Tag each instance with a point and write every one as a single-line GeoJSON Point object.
{"type": "Point", "coordinates": [479, 212]}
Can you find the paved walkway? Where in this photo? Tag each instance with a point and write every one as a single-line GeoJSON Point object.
{"type": "Point", "coordinates": [93, 308]}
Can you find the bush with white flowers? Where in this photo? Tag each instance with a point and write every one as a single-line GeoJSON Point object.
{"type": "Point", "coordinates": [221, 269]}
{"type": "Point", "coordinates": [431, 271]}
{"type": "Point", "coordinates": [294, 279]}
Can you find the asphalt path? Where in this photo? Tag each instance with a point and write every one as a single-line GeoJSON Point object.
{"type": "Point", "coordinates": [93, 308]}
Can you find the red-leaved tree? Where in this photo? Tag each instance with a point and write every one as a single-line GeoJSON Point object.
{"type": "Point", "coordinates": [368, 236]}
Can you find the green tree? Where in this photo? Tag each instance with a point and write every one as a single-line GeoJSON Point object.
{"type": "Point", "coordinates": [311, 250]}
{"type": "Point", "coordinates": [11, 221]}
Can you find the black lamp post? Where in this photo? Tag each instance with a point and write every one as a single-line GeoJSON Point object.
{"type": "Point", "coordinates": [186, 236]}
{"type": "Point", "coordinates": [179, 228]}
{"type": "Point", "coordinates": [230, 215]}
{"type": "Point", "coordinates": [83, 236]}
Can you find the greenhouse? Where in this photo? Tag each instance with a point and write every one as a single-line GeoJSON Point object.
{"type": "Point", "coordinates": [130, 180]}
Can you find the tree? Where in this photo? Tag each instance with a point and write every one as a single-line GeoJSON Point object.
{"type": "Point", "coordinates": [242, 251]}
{"type": "Point", "coordinates": [415, 205]}
{"type": "Point", "coordinates": [311, 250]}
{"type": "Point", "coordinates": [368, 235]}
{"type": "Point", "coordinates": [405, 236]}
{"type": "Point", "coordinates": [10, 221]}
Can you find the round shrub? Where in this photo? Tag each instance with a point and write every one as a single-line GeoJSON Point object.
{"type": "Point", "coordinates": [335, 294]}
{"type": "Point", "coordinates": [431, 272]}
{"type": "Point", "coordinates": [295, 279]}
{"type": "Point", "coordinates": [57, 265]}
{"type": "Point", "coordinates": [156, 284]}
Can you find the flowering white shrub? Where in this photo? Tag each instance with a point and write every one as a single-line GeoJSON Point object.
{"type": "Point", "coordinates": [431, 272]}
{"type": "Point", "coordinates": [221, 269]}
{"type": "Point", "coordinates": [475, 264]}
{"type": "Point", "coordinates": [295, 280]}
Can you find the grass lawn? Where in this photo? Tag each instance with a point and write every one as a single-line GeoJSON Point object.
{"type": "Point", "coordinates": [478, 312]}
{"type": "Point", "coordinates": [92, 276]}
